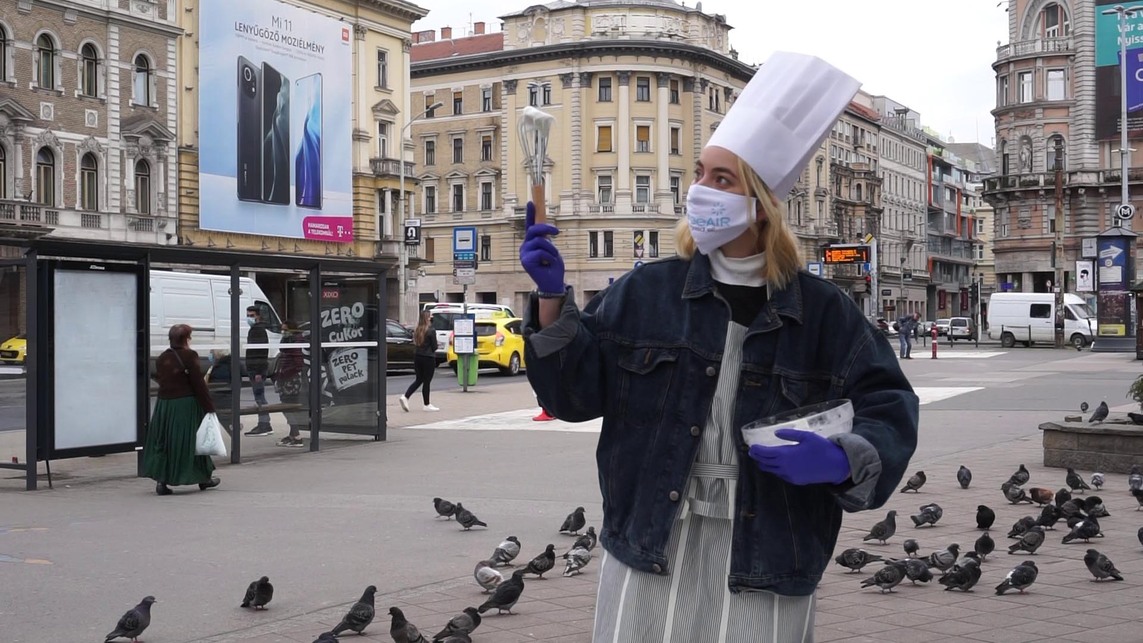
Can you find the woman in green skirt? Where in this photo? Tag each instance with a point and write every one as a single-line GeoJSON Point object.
{"type": "Point", "coordinates": [168, 457]}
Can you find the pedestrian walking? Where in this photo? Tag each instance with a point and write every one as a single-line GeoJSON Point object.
{"type": "Point", "coordinates": [906, 331]}
{"type": "Point", "coordinates": [258, 366]}
{"type": "Point", "coordinates": [288, 380]}
{"type": "Point", "coordinates": [168, 452]}
{"type": "Point", "coordinates": [424, 362]}
{"type": "Point", "coordinates": [731, 330]}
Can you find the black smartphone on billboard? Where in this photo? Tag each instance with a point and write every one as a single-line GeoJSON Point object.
{"type": "Point", "coordinates": [248, 173]}
{"type": "Point", "coordinates": [307, 162]}
{"type": "Point", "coordinates": [275, 136]}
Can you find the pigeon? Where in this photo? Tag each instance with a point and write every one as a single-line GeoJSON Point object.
{"type": "Point", "coordinates": [466, 518]}
{"type": "Point", "coordinates": [1014, 494]}
{"type": "Point", "coordinates": [573, 523]}
{"type": "Point", "coordinates": [1030, 541]}
{"type": "Point", "coordinates": [486, 576]}
{"type": "Point", "coordinates": [506, 594]}
{"type": "Point", "coordinates": [1084, 407]}
{"type": "Point", "coordinates": [964, 476]}
{"type": "Point", "coordinates": [1074, 481]}
{"type": "Point", "coordinates": [915, 482]}
{"type": "Point", "coordinates": [542, 563]}
{"type": "Point", "coordinates": [1135, 479]}
{"type": "Point", "coordinates": [132, 624]}
{"type": "Point", "coordinates": [969, 555]}
{"type": "Point", "coordinates": [917, 570]}
{"type": "Point", "coordinates": [1073, 507]}
{"type": "Point", "coordinates": [506, 551]}
{"type": "Point", "coordinates": [456, 637]}
{"type": "Point", "coordinates": [1062, 496]}
{"type": "Point", "coordinates": [854, 559]}
{"type": "Point", "coordinates": [360, 615]}
{"type": "Point", "coordinates": [1139, 535]}
{"type": "Point", "coordinates": [1100, 413]}
{"type": "Point", "coordinates": [1021, 526]}
{"type": "Point", "coordinates": [1085, 529]}
{"type": "Point", "coordinates": [1093, 506]}
{"type": "Point", "coordinates": [1021, 476]}
{"type": "Point", "coordinates": [1138, 494]}
{"type": "Point", "coordinates": [1049, 516]}
{"type": "Point", "coordinates": [326, 637]}
{"type": "Point", "coordinates": [444, 508]}
{"type": "Point", "coordinates": [962, 576]}
{"type": "Point", "coordinates": [911, 548]}
{"type": "Point", "coordinates": [1097, 480]}
{"type": "Point", "coordinates": [943, 560]}
{"type": "Point", "coordinates": [1041, 496]}
{"type": "Point", "coordinates": [577, 559]}
{"type": "Point", "coordinates": [985, 516]}
{"type": "Point", "coordinates": [1100, 566]}
{"type": "Point", "coordinates": [258, 593]}
{"type": "Point", "coordinates": [883, 530]}
{"type": "Point", "coordinates": [984, 545]}
{"type": "Point", "coordinates": [1020, 578]}
{"type": "Point", "coordinates": [586, 541]}
{"type": "Point", "coordinates": [886, 578]}
{"type": "Point", "coordinates": [402, 630]}
{"type": "Point", "coordinates": [463, 623]}
{"type": "Point", "coordinates": [929, 515]}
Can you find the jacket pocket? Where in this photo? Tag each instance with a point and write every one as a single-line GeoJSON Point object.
{"type": "Point", "coordinates": [646, 376]}
{"type": "Point", "coordinates": [803, 391]}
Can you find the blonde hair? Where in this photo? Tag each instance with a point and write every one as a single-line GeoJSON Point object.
{"type": "Point", "coordinates": [783, 259]}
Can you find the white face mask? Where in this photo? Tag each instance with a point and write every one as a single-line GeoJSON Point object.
{"type": "Point", "coordinates": [249, 321]}
{"type": "Point", "coordinates": [716, 217]}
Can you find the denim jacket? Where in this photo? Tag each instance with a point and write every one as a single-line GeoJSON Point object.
{"type": "Point", "coordinates": [645, 354]}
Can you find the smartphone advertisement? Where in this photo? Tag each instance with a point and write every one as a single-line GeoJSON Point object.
{"type": "Point", "coordinates": [275, 95]}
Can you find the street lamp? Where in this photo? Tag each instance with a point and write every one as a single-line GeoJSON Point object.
{"type": "Point", "coordinates": [403, 266]}
{"type": "Point", "coordinates": [1124, 152]}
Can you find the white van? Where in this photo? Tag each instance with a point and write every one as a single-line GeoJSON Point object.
{"type": "Point", "coordinates": [203, 302]}
{"type": "Point", "coordinates": [444, 314]}
{"type": "Point", "coordinates": [1028, 317]}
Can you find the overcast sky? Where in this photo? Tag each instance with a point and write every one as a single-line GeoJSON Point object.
{"type": "Point", "coordinates": [935, 57]}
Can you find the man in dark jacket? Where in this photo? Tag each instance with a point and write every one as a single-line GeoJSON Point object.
{"type": "Point", "coordinates": [258, 365]}
{"type": "Point", "coordinates": [907, 326]}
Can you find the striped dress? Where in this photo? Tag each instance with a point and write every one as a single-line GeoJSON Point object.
{"type": "Point", "coordinates": [693, 602]}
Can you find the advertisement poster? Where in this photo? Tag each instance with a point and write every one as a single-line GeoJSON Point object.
{"type": "Point", "coordinates": [1085, 276]}
{"type": "Point", "coordinates": [1112, 314]}
{"type": "Point", "coordinates": [275, 90]}
{"type": "Point", "coordinates": [1107, 75]}
{"type": "Point", "coordinates": [1114, 271]}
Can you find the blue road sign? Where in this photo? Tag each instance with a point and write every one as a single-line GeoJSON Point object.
{"type": "Point", "coordinates": [463, 239]}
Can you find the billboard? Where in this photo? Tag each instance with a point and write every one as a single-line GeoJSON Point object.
{"type": "Point", "coordinates": [1107, 81]}
{"type": "Point", "coordinates": [275, 91]}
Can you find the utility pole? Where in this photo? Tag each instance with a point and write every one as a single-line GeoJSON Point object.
{"type": "Point", "coordinates": [1058, 256]}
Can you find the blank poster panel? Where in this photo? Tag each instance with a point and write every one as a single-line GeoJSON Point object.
{"type": "Point", "coordinates": [96, 358]}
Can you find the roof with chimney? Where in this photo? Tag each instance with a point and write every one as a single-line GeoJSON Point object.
{"type": "Point", "coordinates": [452, 47]}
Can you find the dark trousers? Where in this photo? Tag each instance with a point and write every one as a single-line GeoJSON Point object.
{"type": "Point", "coordinates": [423, 367]}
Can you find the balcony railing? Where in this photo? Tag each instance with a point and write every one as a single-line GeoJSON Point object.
{"type": "Point", "coordinates": [390, 167]}
{"type": "Point", "coordinates": [644, 208]}
{"type": "Point", "coordinates": [1033, 47]}
{"type": "Point", "coordinates": [28, 213]}
{"type": "Point", "coordinates": [605, 208]}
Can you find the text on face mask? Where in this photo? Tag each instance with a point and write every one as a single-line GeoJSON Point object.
{"type": "Point", "coordinates": [701, 223]}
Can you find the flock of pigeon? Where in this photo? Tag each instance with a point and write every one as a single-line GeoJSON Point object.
{"type": "Point", "coordinates": [961, 570]}
{"type": "Point", "coordinates": [504, 593]}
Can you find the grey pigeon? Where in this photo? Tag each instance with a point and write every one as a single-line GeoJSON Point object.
{"type": "Point", "coordinates": [466, 518]}
{"type": "Point", "coordinates": [463, 623]}
{"type": "Point", "coordinates": [1072, 508]}
{"type": "Point", "coordinates": [1014, 494]}
{"type": "Point", "coordinates": [586, 541]}
{"type": "Point", "coordinates": [1135, 479]}
{"type": "Point", "coordinates": [258, 593]}
{"type": "Point", "coordinates": [1030, 541]}
{"type": "Point", "coordinates": [984, 545]}
{"type": "Point", "coordinates": [1062, 496]}
{"type": "Point", "coordinates": [886, 578]}
{"type": "Point", "coordinates": [132, 624]}
{"type": "Point", "coordinates": [402, 630]}
{"type": "Point", "coordinates": [506, 552]}
{"type": "Point", "coordinates": [985, 516]}
{"type": "Point", "coordinates": [1041, 496]}
{"type": "Point", "coordinates": [883, 530]}
{"type": "Point", "coordinates": [1093, 506]}
{"type": "Point", "coordinates": [1084, 407]}
{"type": "Point", "coordinates": [854, 559]}
{"type": "Point", "coordinates": [573, 523]}
{"type": "Point", "coordinates": [326, 637]}
{"type": "Point", "coordinates": [1100, 566]}
{"type": "Point", "coordinates": [1021, 476]}
{"type": "Point", "coordinates": [506, 594]}
{"type": "Point", "coordinates": [1138, 495]}
{"type": "Point", "coordinates": [929, 515]}
{"type": "Point", "coordinates": [915, 482]}
{"type": "Point", "coordinates": [1085, 530]}
{"type": "Point", "coordinates": [1049, 516]}
{"type": "Point", "coordinates": [911, 548]}
{"type": "Point", "coordinates": [444, 508]}
{"type": "Point", "coordinates": [360, 615]}
{"type": "Point", "coordinates": [944, 560]}
{"type": "Point", "coordinates": [1139, 535]}
{"type": "Point", "coordinates": [962, 576]}
{"type": "Point", "coordinates": [1097, 480]}
{"type": "Point", "coordinates": [964, 476]}
{"type": "Point", "coordinates": [1100, 413]}
{"type": "Point", "coordinates": [1074, 481]}
{"type": "Point", "coordinates": [917, 570]}
{"type": "Point", "coordinates": [577, 559]}
{"type": "Point", "coordinates": [1020, 578]}
{"type": "Point", "coordinates": [456, 637]}
{"type": "Point", "coordinates": [542, 563]}
{"type": "Point", "coordinates": [1021, 526]}
{"type": "Point", "coordinates": [486, 576]}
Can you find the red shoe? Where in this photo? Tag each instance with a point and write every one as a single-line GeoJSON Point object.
{"type": "Point", "coordinates": [543, 416]}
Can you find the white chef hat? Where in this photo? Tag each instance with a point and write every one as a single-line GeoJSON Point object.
{"type": "Point", "coordinates": [783, 115]}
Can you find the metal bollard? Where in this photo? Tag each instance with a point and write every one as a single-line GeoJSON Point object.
{"type": "Point", "coordinates": [934, 336]}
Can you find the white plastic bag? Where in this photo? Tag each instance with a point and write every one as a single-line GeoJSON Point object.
{"type": "Point", "coordinates": [208, 439]}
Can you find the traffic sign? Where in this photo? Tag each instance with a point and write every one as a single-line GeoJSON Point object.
{"type": "Point", "coordinates": [464, 256]}
{"type": "Point", "coordinates": [814, 268]}
{"type": "Point", "coordinates": [412, 232]}
{"type": "Point", "coordinates": [464, 263]}
{"type": "Point", "coordinates": [464, 239]}
{"type": "Point", "coordinates": [1125, 211]}
{"type": "Point", "coordinates": [885, 292]}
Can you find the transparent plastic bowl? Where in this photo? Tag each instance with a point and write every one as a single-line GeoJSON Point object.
{"type": "Point", "coordinates": [825, 419]}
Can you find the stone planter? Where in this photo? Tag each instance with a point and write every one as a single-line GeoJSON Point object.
{"type": "Point", "coordinates": [1111, 447]}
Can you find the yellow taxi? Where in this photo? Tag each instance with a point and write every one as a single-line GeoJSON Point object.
{"type": "Point", "coordinates": [499, 344]}
{"type": "Point", "coordinates": [13, 350]}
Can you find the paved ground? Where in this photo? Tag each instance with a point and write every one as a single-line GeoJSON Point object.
{"type": "Point", "coordinates": [323, 525]}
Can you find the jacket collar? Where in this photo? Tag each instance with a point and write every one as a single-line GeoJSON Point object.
{"type": "Point", "coordinates": [699, 282]}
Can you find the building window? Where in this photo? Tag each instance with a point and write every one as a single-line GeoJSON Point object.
{"type": "Point", "coordinates": [457, 103]}
{"type": "Point", "coordinates": [3, 171]}
{"type": "Point", "coordinates": [1054, 21]}
{"type": "Point", "coordinates": [642, 188]}
{"type": "Point", "coordinates": [88, 71]}
{"type": "Point", "coordinates": [382, 68]}
{"type": "Point", "coordinates": [603, 138]}
{"type": "Point", "coordinates": [458, 150]}
{"type": "Point", "coordinates": [605, 89]}
{"type": "Point", "coordinates": [676, 191]}
{"type": "Point", "coordinates": [430, 152]}
{"type": "Point", "coordinates": [142, 187]}
{"type": "Point", "coordinates": [457, 197]}
{"type": "Point", "coordinates": [604, 188]}
{"type": "Point", "coordinates": [430, 199]}
{"type": "Point", "coordinates": [1056, 153]}
{"type": "Point", "coordinates": [608, 243]}
{"type": "Point", "coordinates": [534, 95]}
{"type": "Point", "coordinates": [978, 251]}
{"type": "Point", "coordinates": [46, 64]}
{"type": "Point", "coordinates": [486, 196]}
{"type": "Point", "coordinates": [1003, 229]}
{"type": "Point", "coordinates": [486, 247]}
{"type": "Point", "coordinates": [547, 91]}
{"type": "Point", "coordinates": [674, 91]}
{"type": "Point", "coordinates": [89, 182]}
{"type": "Point", "coordinates": [486, 147]}
{"type": "Point", "coordinates": [675, 136]}
{"type": "Point", "coordinates": [4, 48]}
{"type": "Point", "coordinates": [429, 102]}
{"type": "Point", "coordinates": [642, 138]}
{"type": "Point", "coordinates": [592, 244]}
{"type": "Point", "coordinates": [643, 88]}
{"type": "Point", "coordinates": [1057, 84]}
{"type": "Point", "coordinates": [1005, 159]}
{"type": "Point", "coordinates": [45, 177]}
{"type": "Point", "coordinates": [142, 81]}
{"type": "Point", "coordinates": [383, 139]}
{"type": "Point", "coordinates": [1050, 219]}
{"type": "Point", "coordinates": [1024, 87]}
{"type": "Point", "coordinates": [486, 99]}
{"type": "Point", "coordinates": [1002, 91]}
{"type": "Point", "coordinates": [653, 244]}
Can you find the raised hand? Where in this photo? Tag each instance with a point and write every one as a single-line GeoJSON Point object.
{"type": "Point", "coordinates": [539, 256]}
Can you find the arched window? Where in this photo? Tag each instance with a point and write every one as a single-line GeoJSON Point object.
{"type": "Point", "coordinates": [1054, 22]}
{"type": "Point", "coordinates": [142, 187]}
{"type": "Point", "coordinates": [89, 70]}
{"type": "Point", "coordinates": [46, 176]}
{"type": "Point", "coordinates": [3, 172]}
{"type": "Point", "coordinates": [46, 56]}
{"type": "Point", "coordinates": [1055, 153]}
{"type": "Point", "coordinates": [857, 190]}
{"type": "Point", "coordinates": [142, 81]}
{"type": "Point", "coordinates": [89, 182]}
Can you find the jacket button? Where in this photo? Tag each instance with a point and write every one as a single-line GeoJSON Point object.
{"type": "Point", "coordinates": [695, 430]}
{"type": "Point", "coordinates": [657, 568]}
{"type": "Point", "coordinates": [674, 496]}
{"type": "Point", "coordinates": [711, 371]}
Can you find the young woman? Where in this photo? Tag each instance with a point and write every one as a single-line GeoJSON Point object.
{"type": "Point", "coordinates": [424, 362]}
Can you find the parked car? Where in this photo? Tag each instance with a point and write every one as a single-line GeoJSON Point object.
{"type": "Point", "coordinates": [14, 350]}
{"type": "Point", "coordinates": [399, 346]}
{"type": "Point", "coordinates": [1028, 317]}
{"type": "Point", "coordinates": [942, 327]}
{"type": "Point", "coordinates": [499, 344]}
{"type": "Point", "coordinates": [961, 328]}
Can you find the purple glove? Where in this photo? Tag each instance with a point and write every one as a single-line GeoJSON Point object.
{"type": "Point", "coordinates": [813, 460]}
{"type": "Point", "coordinates": [539, 257]}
